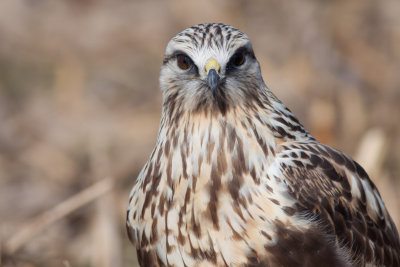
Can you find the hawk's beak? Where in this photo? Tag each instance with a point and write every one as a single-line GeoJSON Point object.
{"type": "Point", "coordinates": [212, 69]}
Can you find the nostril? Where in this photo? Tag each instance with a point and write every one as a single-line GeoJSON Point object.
{"type": "Point", "coordinates": [211, 64]}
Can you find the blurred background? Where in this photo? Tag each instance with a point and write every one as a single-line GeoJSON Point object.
{"type": "Point", "coordinates": [80, 105]}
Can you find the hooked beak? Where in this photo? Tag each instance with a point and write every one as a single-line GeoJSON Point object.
{"type": "Point", "coordinates": [212, 68]}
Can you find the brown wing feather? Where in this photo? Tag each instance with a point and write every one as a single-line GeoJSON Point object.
{"type": "Point", "coordinates": [335, 190]}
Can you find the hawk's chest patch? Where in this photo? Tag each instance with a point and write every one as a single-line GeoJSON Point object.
{"type": "Point", "coordinates": [211, 192]}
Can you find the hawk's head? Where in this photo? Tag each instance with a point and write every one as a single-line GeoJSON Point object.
{"type": "Point", "coordinates": [209, 66]}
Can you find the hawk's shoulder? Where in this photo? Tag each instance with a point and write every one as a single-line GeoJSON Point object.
{"type": "Point", "coordinates": [336, 193]}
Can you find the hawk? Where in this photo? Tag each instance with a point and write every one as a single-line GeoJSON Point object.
{"type": "Point", "coordinates": [235, 179]}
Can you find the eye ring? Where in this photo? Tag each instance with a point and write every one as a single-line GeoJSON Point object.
{"type": "Point", "coordinates": [183, 61]}
{"type": "Point", "coordinates": [238, 59]}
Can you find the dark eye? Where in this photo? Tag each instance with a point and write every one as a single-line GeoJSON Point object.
{"type": "Point", "coordinates": [184, 62]}
{"type": "Point", "coordinates": [237, 59]}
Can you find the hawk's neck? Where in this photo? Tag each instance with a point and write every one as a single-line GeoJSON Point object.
{"type": "Point", "coordinates": [205, 145]}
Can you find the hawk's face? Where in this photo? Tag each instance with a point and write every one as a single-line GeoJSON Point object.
{"type": "Point", "coordinates": [208, 66]}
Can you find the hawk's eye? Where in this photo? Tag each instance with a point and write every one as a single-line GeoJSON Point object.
{"type": "Point", "coordinates": [184, 62]}
{"type": "Point", "coordinates": [237, 59]}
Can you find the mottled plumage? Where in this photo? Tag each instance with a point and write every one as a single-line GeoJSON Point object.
{"type": "Point", "coordinates": [235, 179]}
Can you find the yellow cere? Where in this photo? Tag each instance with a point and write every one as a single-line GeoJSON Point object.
{"type": "Point", "coordinates": [212, 64]}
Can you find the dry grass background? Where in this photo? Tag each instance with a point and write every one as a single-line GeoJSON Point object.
{"type": "Point", "coordinates": [80, 105]}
